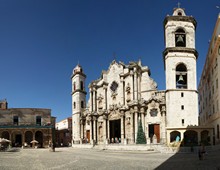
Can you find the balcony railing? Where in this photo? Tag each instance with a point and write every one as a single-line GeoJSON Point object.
{"type": "Point", "coordinates": [25, 125]}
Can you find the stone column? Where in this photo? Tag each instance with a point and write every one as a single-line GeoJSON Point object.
{"type": "Point", "coordinates": [163, 128]}
{"type": "Point", "coordinates": [123, 90]}
{"type": "Point", "coordinates": [142, 119]}
{"type": "Point", "coordinates": [139, 87]}
{"type": "Point", "coordinates": [98, 124]}
{"type": "Point", "coordinates": [94, 129]}
{"type": "Point", "coordinates": [91, 137]}
{"type": "Point", "coordinates": [122, 127]}
{"type": "Point", "coordinates": [136, 124]}
{"type": "Point", "coordinates": [80, 131]}
{"type": "Point", "coordinates": [135, 85]}
{"type": "Point", "coordinates": [23, 138]}
{"type": "Point", "coordinates": [91, 101]}
{"type": "Point", "coordinates": [104, 129]}
{"type": "Point", "coordinates": [105, 90]}
{"type": "Point", "coordinates": [181, 136]}
{"type": "Point", "coordinates": [108, 130]}
{"type": "Point", "coordinates": [94, 100]}
{"type": "Point", "coordinates": [132, 128]}
{"type": "Point", "coordinates": [132, 84]}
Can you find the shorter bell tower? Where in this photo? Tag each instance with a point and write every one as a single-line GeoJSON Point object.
{"type": "Point", "coordinates": [78, 101]}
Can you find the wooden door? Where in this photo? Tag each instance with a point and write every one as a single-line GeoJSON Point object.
{"type": "Point", "coordinates": [157, 132]}
{"type": "Point", "coordinates": [88, 135]}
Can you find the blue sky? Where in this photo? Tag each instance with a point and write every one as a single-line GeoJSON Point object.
{"type": "Point", "coordinates": [41, 41]}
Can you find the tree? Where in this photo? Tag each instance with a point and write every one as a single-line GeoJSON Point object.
{"type": "Point", "coordinates": [140, 134]}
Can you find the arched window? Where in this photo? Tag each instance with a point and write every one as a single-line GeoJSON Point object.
{"type": "Point", "coordinates": [180, 38]}
{"type": "Point", "coordinates": [74, 86]}
{"type": "Point", "coordinates": [81, 85]}
{"type": "Point", "coordinates": [181, 76]}
{"type": "Point", "coordinates": [74, 105]}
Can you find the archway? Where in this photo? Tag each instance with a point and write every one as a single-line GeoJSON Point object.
{"type": "Point", "coordinates": [175, 136]}
{"type": "Point", "coordinates": [205, 137]}
{"type": "Point", "coordinates": [39, 138]}
{"type": "Point", "coordinates": [5, 134]}
{"type": "Point", "coordinates": [190, 138]}
{"type": "Point", "coordinates": [28, 137]}
{"type": "Point", "coordinates": [17, 139]}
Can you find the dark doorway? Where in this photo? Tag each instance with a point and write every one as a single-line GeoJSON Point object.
{"type": "Point", "coordinates": [190, 138]}
{"type": "Point", "coordinates": [154, 129]}
{"type": "Point", "coordinates": [18, 140]}
{"type": "Point", "coordinates": [115, 131]}
{"type": "Point", "coordinates": [39, 138]}
{"type": "Point", "coordinates": [28, 137]}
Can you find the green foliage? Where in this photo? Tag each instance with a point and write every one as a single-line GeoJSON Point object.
{"type": "Point", "coordinates": [140, 134]}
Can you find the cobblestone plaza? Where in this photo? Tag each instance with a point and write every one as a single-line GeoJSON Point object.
{"type": "Point", "coordinates": [72, 158]}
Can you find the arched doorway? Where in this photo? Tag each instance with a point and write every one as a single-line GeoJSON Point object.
{"type": "Point", "coordinates": [17, 139]}
{"type": "Point", "coordinates": [175, 136]}
{"type": "Point", "coordinates": [205, 137]}
{"type": "Point", "coordinates": [39, 138]}
{"type": "Point", "coordinates": [190, 138]}
{"type": "Point", "coordinates": [28, 137]}
{"type": "Point", "coordinates": [5, 134]}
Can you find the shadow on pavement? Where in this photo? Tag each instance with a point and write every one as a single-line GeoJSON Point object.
{"type": "Point", "coordinates": [190, 160]}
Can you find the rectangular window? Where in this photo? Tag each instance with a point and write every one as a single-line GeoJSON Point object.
{"type": "Point", "coordinates": [38, 120]}
{"type": "Point", "coordinates": [82, 104]}
{"type": "Point", "coordinates": [183, 122]}
{"type": "Point", "coordinates": [15, 120]}
{"type": "Point", "coordinates": [81, 85]}
{"type": "Point", "coordinates": [182, 107]}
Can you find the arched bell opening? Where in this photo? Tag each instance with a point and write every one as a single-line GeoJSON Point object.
{"type": "Point", "coordinates": [180, 38]}
{"type": "Point", "coordinates": [181, 76]}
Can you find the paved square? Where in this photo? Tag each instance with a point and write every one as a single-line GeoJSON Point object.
{"type": "Point", "coordinates": [71, 158]}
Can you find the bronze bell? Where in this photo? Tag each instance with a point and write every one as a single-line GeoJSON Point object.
{"type": "Point", "coordinates": [180, 39]}
{"type": "Point", "coordinates": [181, 80]}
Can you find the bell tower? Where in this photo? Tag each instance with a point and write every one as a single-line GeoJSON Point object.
{"type": "Point", "coordinates": [78, 101]}
{"type": "Point", "coordinates": [180, 58]}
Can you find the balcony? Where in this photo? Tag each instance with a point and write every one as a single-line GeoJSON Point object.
{"type": "Point", "coordinates": [25, 125]}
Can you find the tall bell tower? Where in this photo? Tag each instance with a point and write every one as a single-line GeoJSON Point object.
{"type": "Point", "coordinates": [180, 58]}
{"type": "Point", "coordinates": [78, 101]}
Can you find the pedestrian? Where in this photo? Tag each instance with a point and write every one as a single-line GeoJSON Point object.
{"type": "Point", "coordinates": [201, 151]}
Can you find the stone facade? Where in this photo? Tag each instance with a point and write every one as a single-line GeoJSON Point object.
{"type": "Point", "coordinates": [126, 95]}
{"type": "Point", "coordinates": [64, 132]}
{"type": "Point", "coordinates": [118, 99]}
{"type": "Point", "coordinates": [209, 94]}
{"type": "Point", "coordinates": [23, 125]}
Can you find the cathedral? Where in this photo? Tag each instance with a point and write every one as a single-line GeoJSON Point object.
{"type": "Point", "coordinates": [126, 97]}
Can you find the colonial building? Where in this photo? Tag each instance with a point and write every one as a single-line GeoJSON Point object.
{"type": "Point", "coordinates": [23, 125]}
{"type": "Point", "coordinates": [64, 132]}
{"type": "Point", "coordinates": [125, 95]}
{"type": "Point", "coordinates": [209, 94]}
